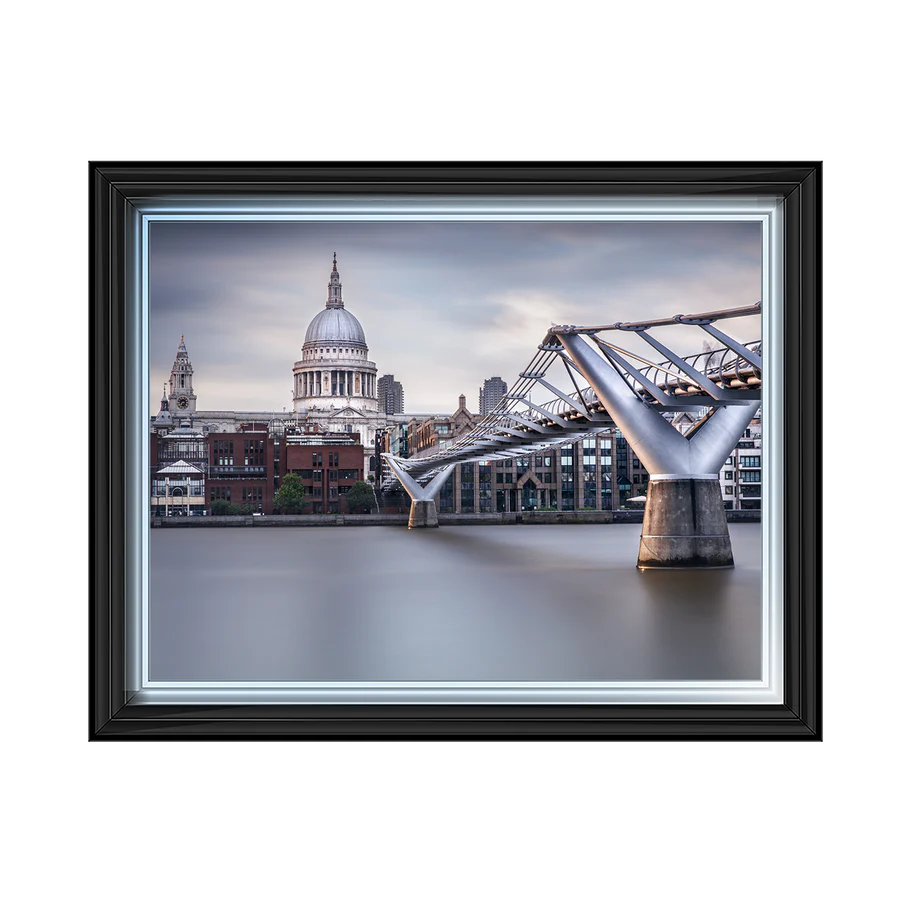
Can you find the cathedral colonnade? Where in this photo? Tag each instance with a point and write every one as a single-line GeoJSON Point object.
{"type": "Point", "coordinates": [335, 382]}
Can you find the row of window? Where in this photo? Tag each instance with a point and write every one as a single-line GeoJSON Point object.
{"type": "Point", "coordinates": [193, 489]}
{"type": "Point", "coordinates": [317, 474]}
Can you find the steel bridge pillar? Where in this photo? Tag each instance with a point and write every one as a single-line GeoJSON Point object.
{"type": "Point", "coordinates": [423, 509]}
{"type": "Point", "coordinates": [684, 516]}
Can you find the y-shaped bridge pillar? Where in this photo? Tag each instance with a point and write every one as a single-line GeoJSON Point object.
{"type": "Point", "coordinates": [684, 517]}
{"type": "Point", "coordinates": [423, 512]}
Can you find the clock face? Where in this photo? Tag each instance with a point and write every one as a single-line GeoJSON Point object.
{"type": "Point", "coordinates": [182, 402]}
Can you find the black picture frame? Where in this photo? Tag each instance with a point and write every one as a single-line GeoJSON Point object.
{"type": "Point", "coordinates": [116, 187]}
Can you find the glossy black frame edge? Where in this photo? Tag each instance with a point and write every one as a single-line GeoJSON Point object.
{"type": "Point", "coordinates": [114, 186]}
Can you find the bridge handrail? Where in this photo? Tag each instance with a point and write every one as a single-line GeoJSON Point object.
{"type": "Point", "coordinates": [515, 427]}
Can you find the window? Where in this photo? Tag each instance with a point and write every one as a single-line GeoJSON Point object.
{"type": "Point", "coordinates": [750, 461]}
{"type": "Point", "coordinates": [729, 490]}
{"type": "Point", "coordinates": [729, 476]}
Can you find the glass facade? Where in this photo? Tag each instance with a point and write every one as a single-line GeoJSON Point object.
{"type": "Point", "coordinates": [589, 472]}
{"type": "Point", "coordinates": [567, 477]}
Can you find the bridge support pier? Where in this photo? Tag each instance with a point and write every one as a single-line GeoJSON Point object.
{"type": "Point", "coordinates": [423, 511]}
{"type": "Point", "coordinates": [423, 514]}
{"type": "Point", "coordinates": [684, 525]}
{"type": "Point", "coordinates": [684, 516]}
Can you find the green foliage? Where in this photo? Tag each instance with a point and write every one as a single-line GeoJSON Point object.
{"type": "Point", "coordinates": [361, 498]}
{"type": "Point", "coordinates": [290, 498]}
{"type": "Point", "coordinates": [224, 508]}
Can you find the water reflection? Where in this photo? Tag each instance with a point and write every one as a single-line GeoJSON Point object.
{"type": "Point", "coordinates": [479, 603]}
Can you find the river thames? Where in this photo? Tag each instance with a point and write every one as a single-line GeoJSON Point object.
{"type": "Point", "coordinates": [457, 603]}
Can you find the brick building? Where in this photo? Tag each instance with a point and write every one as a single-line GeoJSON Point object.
{"type": "Point", "coordinates": [242, 469]}
{"type": "Point", "coordinates": [435, 431]}
{"type": "Point", "coordinates": [329, 464]}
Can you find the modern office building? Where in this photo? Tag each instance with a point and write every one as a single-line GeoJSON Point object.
{"type": "Point", "coordinates": [491, 394]}
{"type": "Point", "coordinates": [390, 395]}
{"type": "Point", "coordinates": [600, 472]}
{"type": "Point", "coordinates": [741, 476]}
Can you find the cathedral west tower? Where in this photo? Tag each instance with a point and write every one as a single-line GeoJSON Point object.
{"type": "Point", "coordinates": [182, 399]}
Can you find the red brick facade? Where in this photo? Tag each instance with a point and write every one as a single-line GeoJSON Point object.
{"type": "Point", "coordinates": [241, 470]}
{"type": "Point", "coordinates": [329, 469]}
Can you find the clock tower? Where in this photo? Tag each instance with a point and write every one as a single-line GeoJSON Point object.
{"type": "Point", "coordinates": [182, 399]}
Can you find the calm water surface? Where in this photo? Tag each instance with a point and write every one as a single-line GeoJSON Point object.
{"type": "Point", "coordinates": [480, 603]}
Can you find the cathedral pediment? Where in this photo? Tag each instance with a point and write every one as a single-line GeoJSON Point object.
{"type": "Point", "coordinates": [348, 412]}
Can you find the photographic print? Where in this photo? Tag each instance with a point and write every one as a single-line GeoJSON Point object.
{"type": "Point", "coordinates": [491, 456]}
{"type": "Point", "coordinates": [299, 390]}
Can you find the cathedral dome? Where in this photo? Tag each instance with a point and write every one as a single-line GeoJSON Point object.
{"type": "Point", "coordinates": [335, 325]}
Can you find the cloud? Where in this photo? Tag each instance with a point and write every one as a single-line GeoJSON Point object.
{"type": "Point", "coordinates": [443, 305]}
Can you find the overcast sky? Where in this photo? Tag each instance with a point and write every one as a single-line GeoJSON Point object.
{"type": "Point", "coordinates": [444, 305]}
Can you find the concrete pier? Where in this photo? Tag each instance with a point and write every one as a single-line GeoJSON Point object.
{"type": "Point", "coordinates": [423, 514]}
{"type": "Point", "coordinates": [684, 526]}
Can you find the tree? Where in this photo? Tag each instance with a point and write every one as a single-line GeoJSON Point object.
{"type": "Point", "coordinates": [221, 508]}
{"type": "Point", "coordinates": [290, 498]}
{"type": "Point", "coordinates": [361, 498]}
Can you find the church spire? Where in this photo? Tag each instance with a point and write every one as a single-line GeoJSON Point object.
{"type": "Point", "coordinates": [334, 288]}
{"type": "Point", "coordinates": [181, 383]}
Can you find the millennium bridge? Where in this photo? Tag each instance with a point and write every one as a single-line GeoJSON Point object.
{"type": "Point", "coordinates": [584, 380]}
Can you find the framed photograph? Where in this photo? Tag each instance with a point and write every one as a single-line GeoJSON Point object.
{"type": "Point", "coordinates": [455, 451]}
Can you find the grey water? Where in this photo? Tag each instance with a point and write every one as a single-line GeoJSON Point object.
{"type": "Point", "coordinates": [457, 603]}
